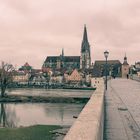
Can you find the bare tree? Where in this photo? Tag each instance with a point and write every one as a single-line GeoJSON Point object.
{"type": "Point", "coordinates": [6, 76]}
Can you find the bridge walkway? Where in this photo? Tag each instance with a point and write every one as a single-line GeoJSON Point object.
{"type": "Point", "coordinates": [122, 108]}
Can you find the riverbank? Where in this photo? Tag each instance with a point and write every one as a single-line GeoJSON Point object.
{"type": "Point", "coordinates": [53, 86]}
{"type": "Point", "coordinates": [41, 99]}
{"type": "Point", "coordinates": [37, 132]}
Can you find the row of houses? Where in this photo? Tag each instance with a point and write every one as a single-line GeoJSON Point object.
{"type": "Point", "coordinates": [27, 75]}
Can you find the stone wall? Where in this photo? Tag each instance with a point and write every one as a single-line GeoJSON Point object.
{"type": "Point", "coordinates": [90, 123]}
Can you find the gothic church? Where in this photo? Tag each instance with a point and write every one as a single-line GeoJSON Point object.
{"type": "Point", "coordinates": [71, 62]}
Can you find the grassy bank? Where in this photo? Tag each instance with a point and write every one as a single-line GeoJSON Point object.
{"type": "Point", "coordinates": [37, 132]}
{"type": "Point", "coordinates": [42, 99]}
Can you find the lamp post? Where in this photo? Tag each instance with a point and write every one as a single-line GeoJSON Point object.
{"type": "Point", "coordinates": [106, 53]}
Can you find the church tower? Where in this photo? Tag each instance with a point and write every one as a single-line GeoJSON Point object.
{"type": "Point", "coordinates": [125, 68]}
{"type": "Point", "coordinates": [85, 59]}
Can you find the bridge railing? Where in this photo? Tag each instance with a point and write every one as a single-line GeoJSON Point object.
{"type": "Point", "coordinates": [90, 123]}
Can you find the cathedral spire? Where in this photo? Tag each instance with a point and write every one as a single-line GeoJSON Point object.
{"type": "Point", "coordinates": [85, 60]}
{"type": "Point", "coordinates": [85, 44]}
{"type": "Point", "coordinates": [85, 37]}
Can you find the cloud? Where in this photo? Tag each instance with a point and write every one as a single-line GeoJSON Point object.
{"type": "Point", "coordinates": [30, 30]}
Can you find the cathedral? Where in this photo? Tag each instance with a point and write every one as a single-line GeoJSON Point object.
{"type": "Point", "coordinates": [71, 62]}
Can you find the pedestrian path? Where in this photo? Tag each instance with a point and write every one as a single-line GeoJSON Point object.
{"type": "Point", "coordinates": [122, 110]}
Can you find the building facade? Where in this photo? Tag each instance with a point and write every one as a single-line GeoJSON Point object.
{"type": "Point", "coordinates": [74, 77]}
{"type": "Point", "coordinates": [113, 68]}
{"type": "Point", "coordinates": [71, 62]}
{"type": "Point", "coordinates": [21, 77]}
{"type": "Point", "coordinates": [59, 62]}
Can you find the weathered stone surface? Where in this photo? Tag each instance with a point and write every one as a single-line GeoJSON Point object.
{"type": "Point", "coordinates": [89, 125]}
{"type": "Point", "coordinates": [122, 110]}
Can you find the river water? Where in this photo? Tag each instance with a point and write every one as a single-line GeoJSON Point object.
{"type": "Point", "coordinates": [27, 114]}
{"type": "Point", "coordinates": [52, 92]}
{"type": "Point", "coordinates": [16, 115]}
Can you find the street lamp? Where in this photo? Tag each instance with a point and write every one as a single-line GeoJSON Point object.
{"type": "Point", "coordinates": [106, 53]}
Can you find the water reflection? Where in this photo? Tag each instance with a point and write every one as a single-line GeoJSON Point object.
{"type": "Point", "coordinates": [15, 115]}
{"type": "Point", "coordinates": [7, 116]}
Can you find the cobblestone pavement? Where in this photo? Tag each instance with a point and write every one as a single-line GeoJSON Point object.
{"type": "Point", "coordinates": [122, 103]}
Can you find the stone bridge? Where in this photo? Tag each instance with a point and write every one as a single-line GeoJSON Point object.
{"type": "Point", "coordinates": [115, 117]}
{"type": "Point", "coordinates": [122, 110]}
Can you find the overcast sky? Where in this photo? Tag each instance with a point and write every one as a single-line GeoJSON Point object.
{"type": "Point", "coordinates": [31, 30]}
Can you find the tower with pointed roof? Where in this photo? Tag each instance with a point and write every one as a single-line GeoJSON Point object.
{"type": "Point", "coordinates": [85, 58]}
{"type": "Point", "coordinates": [62, 59]}
{"type": "Point", "coordinates": [125, 68]}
